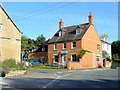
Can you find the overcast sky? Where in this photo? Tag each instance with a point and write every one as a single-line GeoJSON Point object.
{"type": "Point", "coordinates": [36, 18]}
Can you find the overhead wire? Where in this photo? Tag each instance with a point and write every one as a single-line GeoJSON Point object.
{"type": "Point", "coordinates": [46, 11]}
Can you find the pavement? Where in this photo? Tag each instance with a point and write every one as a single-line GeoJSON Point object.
{"type": "Point", "coordinates": [99, 78]}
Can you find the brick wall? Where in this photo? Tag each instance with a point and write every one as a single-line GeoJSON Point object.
{"type": "Point", "coordinates": [52, 52]}
{"type": "Point", "coordinates": [88, 42]}
{"type": "Point", "coordinates": [39, 54]}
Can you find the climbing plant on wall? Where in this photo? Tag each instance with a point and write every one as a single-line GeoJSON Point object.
{"type": "Point", "coordinates": [83, 52]}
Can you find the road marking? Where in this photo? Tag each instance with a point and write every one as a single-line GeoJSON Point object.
{"type": "Point", "coordinates": [59, 72]}
{"type": "Point", "coordinates": [51, 82]}
{"type": "Point", "coordinates": [55, 79]}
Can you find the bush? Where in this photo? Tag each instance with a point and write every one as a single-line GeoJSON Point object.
{"type": "Point", "coordinates": [10, 64]}
{"type": "Point", "coordinates": [116, 57]}
{"type": "Point", "coordinates": [108, 59]}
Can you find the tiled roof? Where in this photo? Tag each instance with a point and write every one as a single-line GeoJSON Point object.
{"type": "Point", "coordinates": [106, 42]}
{"type": "Point", "coordinates": [70, 33]}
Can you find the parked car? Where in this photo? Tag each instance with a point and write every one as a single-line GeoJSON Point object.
{"type": "Point", "coordinates": [34, 62]}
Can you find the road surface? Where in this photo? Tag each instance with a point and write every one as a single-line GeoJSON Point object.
{"type": "Point", "coordinates": [104, 78]}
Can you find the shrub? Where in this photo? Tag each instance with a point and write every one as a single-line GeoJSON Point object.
{"type": "Point", "coordinates": [10, 64]}
{"type": "Point", "coordinates": [108, 59]}
{"type": "Point", "coordinates": [116, 57]}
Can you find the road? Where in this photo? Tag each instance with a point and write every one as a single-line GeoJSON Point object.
{"type": "Point", "coordinates": [105, 78]}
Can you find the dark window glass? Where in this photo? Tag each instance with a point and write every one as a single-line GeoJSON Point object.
{"type": "Point", "coordinates": [64, 45]}
{"type": "Point", "coordinates": [74, 57]}
{"type": "Point", "coordinates": [56, 58]}
{"type": "Point", "coordinates": [55, 46]}
{"type": "Point", "coordinates": [98, 58]}
{"type": "Point", "coordinates": [74, 45]}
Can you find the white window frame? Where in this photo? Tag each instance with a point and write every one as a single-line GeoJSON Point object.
{"type": "Point", "coordinates": [43, 48]}
{"type": "Point", "coordinates": [60, 33]}
{"type": "Point", "coordinates": [97, 57]}
{"type": "Point", "coordinates": [72, 45]}
{"type": "Point", "coordinates": [54, 58]}
{"type": "Point", "coordinates": [78, 29]}
{"type": "Point", "coordinates": [0, 27]}
{"type": "Point", "coordinates": [98, 48]}
{"type": "Point", "coordinates": [64, 45]}
{"type": "Point", "coordinates": [56, 45]}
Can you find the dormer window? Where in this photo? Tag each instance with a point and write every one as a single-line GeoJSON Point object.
{"type": "Point", "coordinates": [78, 30]}
{"type": "Point", "coordinates": [60, 33]}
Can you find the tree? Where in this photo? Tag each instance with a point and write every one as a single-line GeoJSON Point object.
{"type": "Point", "coordinates": [104, 54]}
{"type": "Point", "coordinates": [26, 43]}
{"type": "Point", "coordinates": [116, 49]}
{"type": "Point", "coordinates": [104, 36]}
{"type": "Point", "coordinates": [39, 40]}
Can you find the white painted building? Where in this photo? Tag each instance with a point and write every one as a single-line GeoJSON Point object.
{"type": "Point", "coordinates": [106, 47]}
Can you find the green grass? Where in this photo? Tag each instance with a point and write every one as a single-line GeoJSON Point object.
{"type": "Point", "coordinates": [44, 67]}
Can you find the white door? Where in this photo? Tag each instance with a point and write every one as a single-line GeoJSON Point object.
{"type": "Point", "coordinates": [64, 59]}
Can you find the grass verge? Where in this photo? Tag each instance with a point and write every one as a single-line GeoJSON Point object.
{"type": "Point", "coordinates": [47, 67]}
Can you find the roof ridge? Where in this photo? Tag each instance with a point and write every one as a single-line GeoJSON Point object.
{"type": "Point", "coordinates": [10, 17]}
{"type": "Point", "coordinates": [75, 25]}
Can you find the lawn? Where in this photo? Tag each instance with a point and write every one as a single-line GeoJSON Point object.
{"type": "Point", "coordinates": [48, 67]}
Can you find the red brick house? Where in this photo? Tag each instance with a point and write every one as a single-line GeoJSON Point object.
{"type": "Point", "coordinates": [40, 51]}
{"type": "Point", "coordinates": [66, 45]}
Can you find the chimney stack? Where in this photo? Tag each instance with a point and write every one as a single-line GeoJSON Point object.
{"type": "Point", "coordinates": [91, 18]}
{"type": "Point", "coordinates": [61, 24]}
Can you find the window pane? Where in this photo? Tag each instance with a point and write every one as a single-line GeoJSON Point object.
{"type": "Point", "coordinates": [98, 47]}
{"type": "Point", "coordinates": [55, 46]}
{"type": "Point", "coordinates": [78, 31]}
{"type": "Point", "coordinates": [98, 58]}
{"type": "Point", "coordinates": [74, 44]}
{"type": "Point", "coordinates": [64, 45]}
{"type": "Point", "coordinates": [74, 57]}
{"type": "Point", "coordinates": [56, 58]}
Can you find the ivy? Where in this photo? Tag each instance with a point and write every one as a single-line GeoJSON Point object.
{"type": "Point", "coordinates": [83, 52]}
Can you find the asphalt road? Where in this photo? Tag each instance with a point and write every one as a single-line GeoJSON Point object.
{"type": "Point", "coordinates": [106, 78]}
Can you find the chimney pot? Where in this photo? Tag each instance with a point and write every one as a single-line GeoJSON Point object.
{"type": "Point", "coordinates": [61, 24]}
{"type": "Point", "coordinates": [91, 18]}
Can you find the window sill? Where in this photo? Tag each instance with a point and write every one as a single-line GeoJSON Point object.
{"type": "Point", "coordinates": [73, 48]}
{"type": "Point", "coordinates": [64, 48]}
{"type": "Point", "coordinates": [55, 50]}
{"type": "Point", "coordinates": [76, 61]}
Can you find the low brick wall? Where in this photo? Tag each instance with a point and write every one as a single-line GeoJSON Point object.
{"type": "Point", "coordinates": [13, 73]}
{"type": "Point", "coordinates": [76, 65]}
{"type": "Point", "coordinates": [108, 63]}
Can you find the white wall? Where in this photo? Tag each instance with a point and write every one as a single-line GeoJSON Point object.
{"type": "Point", "coordinates": [107, 48]}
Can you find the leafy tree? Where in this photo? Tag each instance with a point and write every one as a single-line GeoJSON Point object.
{"type": "Point", "coordinates": [39, 40]}
{"type": "Point", "coordinates": [104, 54]}
{"type": "Point", "coordinates": [104, 36]}
{"type": "Point", "coordinates": [26, 43]}
{"type": "Point", "coordinates": [116, 49]}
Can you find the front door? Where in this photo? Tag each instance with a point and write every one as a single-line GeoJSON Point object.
{"type": "Point", "coordinates": [64, 59]}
